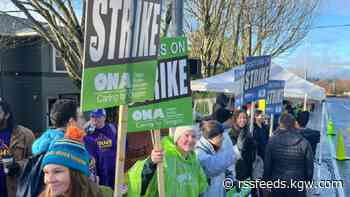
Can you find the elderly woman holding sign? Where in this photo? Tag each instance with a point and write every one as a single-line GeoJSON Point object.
{"type": "Point", "coordinates": [183, 175]}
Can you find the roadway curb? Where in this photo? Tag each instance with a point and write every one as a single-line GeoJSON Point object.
{"type": "Point", "coordinates": [340, 191]}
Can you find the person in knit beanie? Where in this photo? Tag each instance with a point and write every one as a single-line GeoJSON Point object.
{"type": "Point", "coordinates": [66, 168]}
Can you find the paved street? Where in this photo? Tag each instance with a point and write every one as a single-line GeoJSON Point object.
{"type": "Point", "coordinates": [331, 169]}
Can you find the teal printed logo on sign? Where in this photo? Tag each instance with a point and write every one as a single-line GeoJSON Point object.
{"type": "Point", "coordinates": [118, 84]}
{"type": "Point", "coordinates": [160, 115]}
{"type": "Point", "coordinates": [171, 47]}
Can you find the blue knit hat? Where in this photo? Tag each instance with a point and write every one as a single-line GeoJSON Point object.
{"type": "Point", "coordinates": [69, 153]}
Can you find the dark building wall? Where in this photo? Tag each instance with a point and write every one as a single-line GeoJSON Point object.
{"type": "Point", "coordinates": [28, 81]}
{"type": "Point", "coordinates": [24, 95]}
{"type": "Point", "coordinates": [24, 58]}
{"type": "Point", "coordinates": [21, 83]}
{"type": "Point", "coordinates": [53, 84]}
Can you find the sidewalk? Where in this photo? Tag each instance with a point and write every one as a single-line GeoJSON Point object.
{"type": "Point", "coordinates": [327, 171]}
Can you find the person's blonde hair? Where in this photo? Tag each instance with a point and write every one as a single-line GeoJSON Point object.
{"type": "Point", "coordinates": [80, 186]}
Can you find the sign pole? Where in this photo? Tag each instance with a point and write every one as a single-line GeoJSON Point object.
{"type": "Point", "coordinates": [305, 102]}
{"type": "Point", "coordinates": [252, 107]}
{"type": "Point", "coordinates": [160, 169]}
{"type": "Point", "coordinates": [271, 124]}
{"type": "Point", "coordinates": [121, 138]}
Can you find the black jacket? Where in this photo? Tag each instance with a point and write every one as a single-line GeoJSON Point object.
{"type": "Point", "coordinates": [261, 136]}
{"type": "Point", "coordinates": [312, 136]}
{"type": "Point", "coordinates": [288, 156]}
{"type": "Point", "coordinates": [247, 148]}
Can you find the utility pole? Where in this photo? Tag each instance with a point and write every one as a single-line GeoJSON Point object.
{"type": "Point", "coordinates": [176, 26]}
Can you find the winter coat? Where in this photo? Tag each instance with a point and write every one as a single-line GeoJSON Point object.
{"type": "Point", "coordinates": [244, 142]}
{"type": "Point", "coordinates": [182, 177]}
{"type": "Point", "coordinates": [42, 144]}
{"type": "Point", "coordinates": [20, 147]}
{"type": "Point", "coordinates": [215, 164]}
{"type": "Point", "coordinates": [261, 136]}
{"type": "Point", "coordinates": [312, 136]}
{"type": "Point", "coordinates": [288, 156]}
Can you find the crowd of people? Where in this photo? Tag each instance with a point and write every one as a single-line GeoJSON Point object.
{"type": "Point", "coordinates": [75, 159]}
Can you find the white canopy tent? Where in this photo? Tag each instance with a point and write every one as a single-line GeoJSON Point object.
{"type": "Point", "coordinates": [296, 87]}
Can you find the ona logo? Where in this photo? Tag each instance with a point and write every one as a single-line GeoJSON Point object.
{"type": "Point", "coordinates": [147, 114]}
{"type": "Point", "coordinates": [112, 81]}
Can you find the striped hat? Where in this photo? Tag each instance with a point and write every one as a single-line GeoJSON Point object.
{"type": "Point", "coordinates": [69, 153]}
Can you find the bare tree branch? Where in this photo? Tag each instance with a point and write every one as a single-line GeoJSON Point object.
{"type": "Point", "coordinates": [61, 29]}
{"type": "Point", "coordinates": [255, 27]}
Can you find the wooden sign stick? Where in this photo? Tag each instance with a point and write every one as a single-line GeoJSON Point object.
{"type": "Point", "coordinates": [160, 169]}
{"type": "Point", "coordinates": [121, 141]}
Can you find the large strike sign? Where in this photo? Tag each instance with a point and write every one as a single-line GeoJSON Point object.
{"type": "Point", "coordinates": [274, 96]}
{"type": "Point", "coordinates": [256, 77]}
{"type": "Point", "coordinates": [171, 106]}
{"type": "Point", "coordinates": [121, 45]}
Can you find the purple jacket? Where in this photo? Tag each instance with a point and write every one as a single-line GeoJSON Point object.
{"type": "Point", "coordinates": [101, 144]}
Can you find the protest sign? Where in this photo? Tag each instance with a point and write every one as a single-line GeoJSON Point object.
{"type": "Point", "coordinates": [172, 104]}
{"type": "Point", "coordinates": [120, 52]}
{"type": "Point", "coordinates": [274, 96]}
{"type": "Point", "coordinates": [256, 77]}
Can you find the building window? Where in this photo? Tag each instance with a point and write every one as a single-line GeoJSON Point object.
{"type": "Point", "coordinates": [57, 61]}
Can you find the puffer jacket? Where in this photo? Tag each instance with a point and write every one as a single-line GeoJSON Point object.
{"type": "Point", "coordinates": [42, 144]}
{"type": "Point", "coordinates": [215, 164]}
{"type": "Point", "coordinates": [312, 136]}
{"type": "Point", "coordinates": [244, 142]}
{"type": "Point", "coordinates": [288, 156]}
